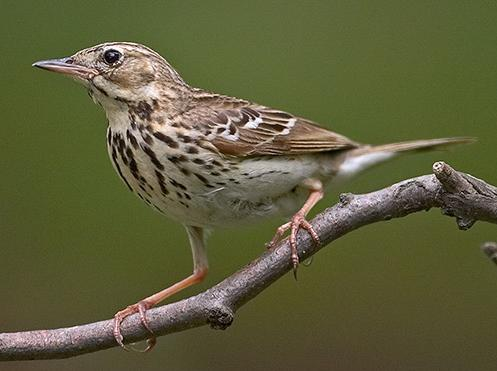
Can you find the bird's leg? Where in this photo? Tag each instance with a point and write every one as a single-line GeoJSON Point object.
{"type": "Point", "coordinates": [298, 220]}
{"type": "Point", "coordinates": [200, 268]}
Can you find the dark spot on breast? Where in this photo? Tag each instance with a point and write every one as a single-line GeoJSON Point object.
{"type": "Point", "coordinates": [232, 129]}
{"type": "Point", "coordinates": [125, 159]}
{"type": "Point", "coordinates": [185, 138]}
{"type": "Point", "coordinates": [129, 152]}
{"type": "Point", "coordinates": [198, 161]}
{"type": "Point", "coordinates": [187, 196]}
{"type": "Point", "coordinates": [202, 178]}
{"type": "Point", "coordinates": [132, 122]}
{"type": "Point", "coordinates": [184, 171]}
{"type": "Point", "coordinates": [133, 167]}
{"type": "Point", "coordinates": [166, 139]}
{"type": "Point", "coordinates": [147, 138]}
{"type": "Point", "coordinates": [209, 166]}
{"type": "Point", "coordinates": [215, 173]}
{"type": "Point", "coordinates": [120, 147]}
{"type": "Point", "coordinates": [118, 168]}
{"type": "Point", "coordinates": [217, 163]}
{"type": "Point", "coordinates": [143, 110]}
{"type": "Point", "coordinates": [132, 139]}
{"type": "Point", "coordinates": [177, 184]}
{"type": "Point", "coordinates": [151, 154]}
{"type": "Point", "coordinates": [191, 149]}
{"type": "Point", "coordinates": [177, 159]}
{"type": "Point", "coordinates": [162, 183]}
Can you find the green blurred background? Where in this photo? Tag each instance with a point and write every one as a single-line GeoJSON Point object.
{"type": "Point", "coordinates": [76, 246]}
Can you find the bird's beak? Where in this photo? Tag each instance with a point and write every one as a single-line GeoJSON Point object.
{"type": "Point", "coordinates": [67, 66]}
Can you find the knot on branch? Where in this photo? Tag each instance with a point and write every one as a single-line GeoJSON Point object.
{"type": "Point", "coordinates": [345, 198]}
{"type": "Point", "coordinates": [464, 197]}
{"type": "Point", "coordinates": [220, 317]}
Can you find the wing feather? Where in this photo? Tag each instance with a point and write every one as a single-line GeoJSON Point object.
{"type": "Point", "coordinates": [252, 130]}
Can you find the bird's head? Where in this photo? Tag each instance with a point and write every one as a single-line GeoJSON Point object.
{"type": "Point", "coordinates": [119, 72]}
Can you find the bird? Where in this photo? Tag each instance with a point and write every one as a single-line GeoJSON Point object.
{"type": "Point", "coordinates": [209, 160]}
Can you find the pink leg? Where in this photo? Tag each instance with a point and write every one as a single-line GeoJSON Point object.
{"type": "Point", "coordinates": [298, 220]}
{"type": "Point", "coordinates": [200, 269]}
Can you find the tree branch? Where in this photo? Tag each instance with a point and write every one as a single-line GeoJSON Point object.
{"type": "Point", "coordinates": [459, 195]}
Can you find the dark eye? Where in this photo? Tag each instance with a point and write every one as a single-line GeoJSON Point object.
{"type": "Point", "coordinates": [111, 56]}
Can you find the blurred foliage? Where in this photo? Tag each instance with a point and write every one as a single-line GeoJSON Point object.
{"type": "Point", "coordinates": [76, 246]}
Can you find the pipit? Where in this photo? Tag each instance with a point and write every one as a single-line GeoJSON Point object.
{"type": "Point", "coordinates": [209, 160]}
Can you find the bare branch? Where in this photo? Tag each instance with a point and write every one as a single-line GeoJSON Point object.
{"type": "Point", "coordinates": [462, 196]}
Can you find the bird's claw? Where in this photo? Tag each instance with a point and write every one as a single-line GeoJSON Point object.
{"type": "Point", "coordinates": [298, 221]}
{"type": "Point", "coordinates": [140, 308]}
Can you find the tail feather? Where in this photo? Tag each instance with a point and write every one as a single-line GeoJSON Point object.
{"type": "Point", "coordinates": [417, 145]}
{"type": "Point", "coordinates": [364, 157]}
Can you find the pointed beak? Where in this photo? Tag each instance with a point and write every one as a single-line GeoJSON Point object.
{"type": "Point", "coordinates": [66, 66]}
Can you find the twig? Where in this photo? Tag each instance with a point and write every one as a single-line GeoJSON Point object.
{"type": "Point", "coordinates": [462, 196]}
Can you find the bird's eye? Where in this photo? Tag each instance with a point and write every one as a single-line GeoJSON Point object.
{"type": "Point", "coordinates": [111, 56]}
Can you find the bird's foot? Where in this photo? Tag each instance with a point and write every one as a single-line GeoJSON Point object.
{"type": "Point", "coordinates": [141, 308]}
{"type": "Point", "coordinates": [298, 221]}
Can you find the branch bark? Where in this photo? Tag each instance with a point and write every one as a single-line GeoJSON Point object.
{"type": "Point", "coordinates": [458, 195]}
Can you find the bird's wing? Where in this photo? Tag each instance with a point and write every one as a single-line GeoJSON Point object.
{"type": "Point", "coordinates": [252, 130]}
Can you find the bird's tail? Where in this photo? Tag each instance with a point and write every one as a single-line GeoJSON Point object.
{"type": "Point", "coordinates": [416, 145]}
{"type": "Point", "coordinates": [364, 157]}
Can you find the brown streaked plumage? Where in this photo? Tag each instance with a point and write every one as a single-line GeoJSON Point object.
{"type": "Point", "coordinates": [208, 160]}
